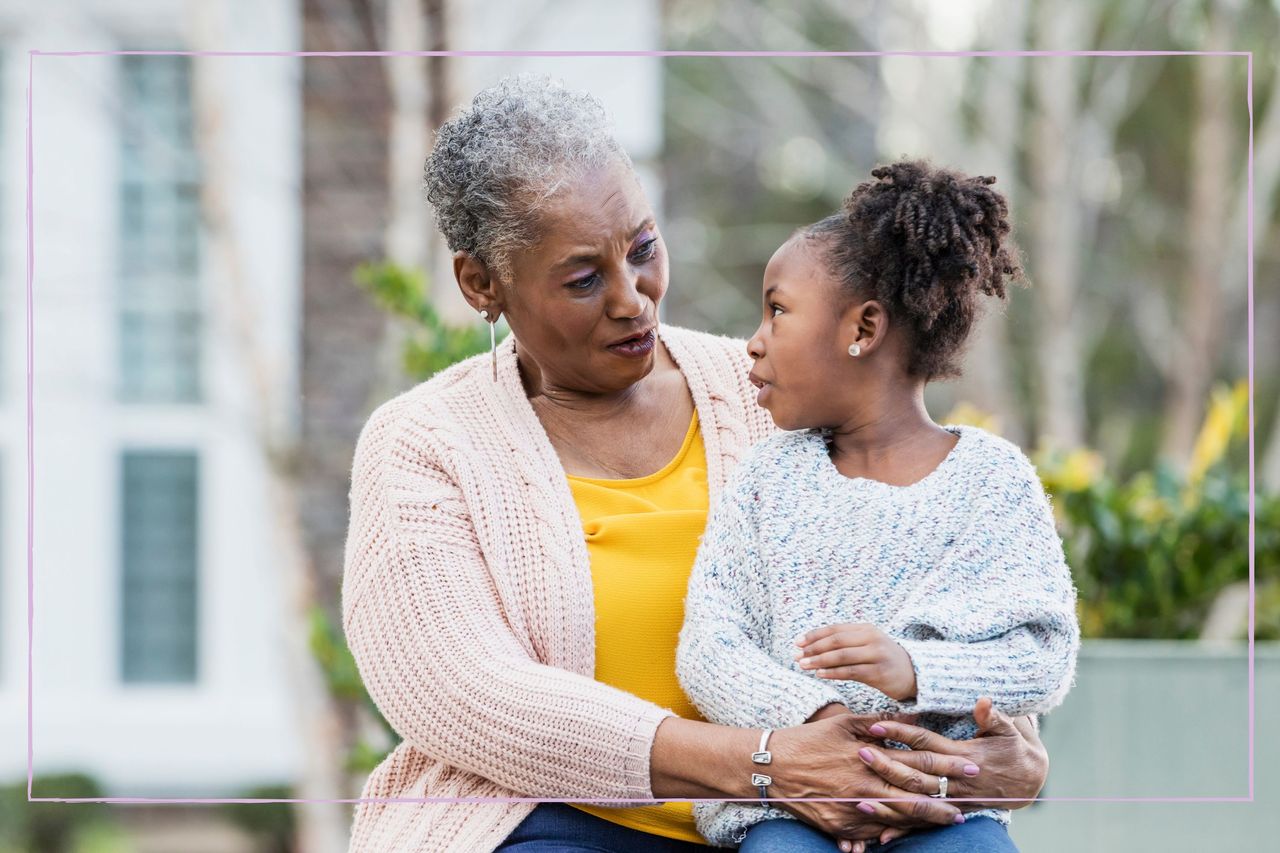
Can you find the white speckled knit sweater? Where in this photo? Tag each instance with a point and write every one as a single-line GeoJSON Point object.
{"type": "Point", "coordinates": [964, 568]}
{"type": "Point", "coordinates": [467, 602]}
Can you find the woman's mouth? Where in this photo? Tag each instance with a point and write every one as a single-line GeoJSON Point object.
{"type": "Point", "coordinates": [637, 346]}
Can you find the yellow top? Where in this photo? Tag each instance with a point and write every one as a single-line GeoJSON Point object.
{"type": "Point", "coordinates": [642, 537]}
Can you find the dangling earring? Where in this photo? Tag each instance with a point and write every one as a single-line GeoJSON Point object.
{"type": "Point", "coordinates": [855, 350]}
{"type": "Point", "coordinates": [493, 344]}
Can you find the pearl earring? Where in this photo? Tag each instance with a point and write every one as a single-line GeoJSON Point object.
{"type": "Point", "coordinates": [855, 350]}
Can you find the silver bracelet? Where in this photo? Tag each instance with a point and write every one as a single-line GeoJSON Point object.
{"type": "Point", "coordinates": [762, 756]}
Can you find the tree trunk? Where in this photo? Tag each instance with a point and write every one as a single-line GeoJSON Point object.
{"type": "Point", "coordinates": [322, 826]}
{"type": "Point", "coordinates": [987, 382]}
{"type": "Point", "coordinates": [1194, 353]}
{"type": "Point", "coordinates": [1055, 219]}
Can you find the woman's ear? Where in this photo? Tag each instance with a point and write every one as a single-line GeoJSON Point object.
{"type": "Point", "coordinates": [478, 285]}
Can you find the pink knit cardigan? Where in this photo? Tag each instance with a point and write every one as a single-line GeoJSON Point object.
{"type": "Point", "coordinates": [467, 602]}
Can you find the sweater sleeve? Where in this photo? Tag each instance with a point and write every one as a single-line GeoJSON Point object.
{"type": "Point", "coordinates": [998, 617]}
{"type": "Point", "coordinates": [425, 624]}
{"type": "Point", "coordinates": [722, 660]}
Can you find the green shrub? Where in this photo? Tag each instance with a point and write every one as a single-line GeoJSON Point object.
{"type": "Point", "coordinates": [1152, 553]}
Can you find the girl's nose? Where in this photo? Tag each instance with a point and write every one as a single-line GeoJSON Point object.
{"type": "Point", "coordinates": [755, 345]}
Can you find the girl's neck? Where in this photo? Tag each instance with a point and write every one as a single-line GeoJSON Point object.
{"type": "Point", "coordinates": [889, 421]}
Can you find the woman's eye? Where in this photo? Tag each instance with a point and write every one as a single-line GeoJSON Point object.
{"type": "Point", "coordinates": [646, 250]}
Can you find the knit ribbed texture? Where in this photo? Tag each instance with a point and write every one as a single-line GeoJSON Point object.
{"type": "Point", "coordinates": [964, 568]}
{"type": "Point", "coordinates": [467, 602]}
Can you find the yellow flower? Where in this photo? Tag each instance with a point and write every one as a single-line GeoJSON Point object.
{"type": "Point", "coordinates": [970, 415]}
{"type": "Point", "coordinates": [1227, 408]}
{"type": "Point", "coordinates": [1080, 470]}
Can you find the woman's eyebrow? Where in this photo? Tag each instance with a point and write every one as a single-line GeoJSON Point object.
{"type": "Point", "coordinates": [589, 256]}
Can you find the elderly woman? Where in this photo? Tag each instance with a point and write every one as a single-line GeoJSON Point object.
{"type": "Point", "coordinates": [523, 526]}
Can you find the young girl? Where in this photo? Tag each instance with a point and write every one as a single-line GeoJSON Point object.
{"type": "Point", "coordinates": [870, 560]}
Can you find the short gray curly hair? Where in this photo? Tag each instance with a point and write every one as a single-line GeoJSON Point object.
{"type": "Point", "coordinates": [500, 158]}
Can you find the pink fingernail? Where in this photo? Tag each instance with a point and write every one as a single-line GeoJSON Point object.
{"type": "Point", "coordinates": [865, 755]}
{"type": "Point", "coordinates": [878, 729]}
{"type": "Point", "coordinates": [866, 808]}
{"type": "Point", "coordinates": [971, 770]}
{"type": "Point", "coordinates": [959, 818]}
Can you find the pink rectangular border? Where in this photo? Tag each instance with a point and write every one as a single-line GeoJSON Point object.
{"type": "Point", "coordinates": [620, 53]}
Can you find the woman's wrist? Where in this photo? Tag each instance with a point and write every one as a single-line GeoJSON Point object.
{"type": "Point", "coordinates": [701, 760]}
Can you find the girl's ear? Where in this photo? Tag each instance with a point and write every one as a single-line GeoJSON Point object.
{"type": "Point", "coordinates": [864, 324]}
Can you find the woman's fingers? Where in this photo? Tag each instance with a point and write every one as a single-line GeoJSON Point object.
{"type": "Point", "coordinates": [861, 723]}
{"type": "Point", "coordinates": [916, 772]}
{"type": "Point", "coordinates": [991, 721]}
{"type": "Point", "coordinates": [892, 833]}
{"type": "Point", "coordinates": [894, 807]}
{"type": "Point", "coordinates": [914, 737]}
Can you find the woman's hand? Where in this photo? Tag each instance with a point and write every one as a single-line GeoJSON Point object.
{"type": "Point", "coordinates": [1014, 763]}
{"type": "Point", "coordinates": [859, 651]}
{"type": "Point", "coordinates": [821, 759]}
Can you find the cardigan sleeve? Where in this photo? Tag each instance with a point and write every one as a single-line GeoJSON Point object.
{"type": "Point", "coordinates": [998, 615]}
{"type": "Point", "coordinates": [426, 627]}
{"type": "Point", "coordinates": [722, 659]}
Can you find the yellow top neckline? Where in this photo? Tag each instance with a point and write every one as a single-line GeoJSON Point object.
{"type": "Point", "coordinates": [648, 478]}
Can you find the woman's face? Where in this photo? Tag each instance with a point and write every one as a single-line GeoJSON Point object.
{"type": "Point", "coordinates": [583, 301]}
{"type": "Point", "coordinates": [802, 363]}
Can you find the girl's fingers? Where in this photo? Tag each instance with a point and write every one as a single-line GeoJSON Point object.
{"type": "Point", "coordinates": [848, 656]}
{"type": "Point", "coordinates": [836, 636]}
{"type": "Point", "coordinates": [861, 672]}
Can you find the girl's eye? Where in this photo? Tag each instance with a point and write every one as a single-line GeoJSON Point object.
{"type": "Point", "coordinates": [646, 250]}
{"type": "Point", "coordinates": [583, 283]}
{"type": "Point", "coordinates": [774, 310]}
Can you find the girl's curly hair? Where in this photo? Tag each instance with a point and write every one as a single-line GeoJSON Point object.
{"type": "Point", "coordinates": [925, 242]}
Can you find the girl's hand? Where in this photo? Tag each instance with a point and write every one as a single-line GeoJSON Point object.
{"type": "Point", "coordinates": [859, 651]}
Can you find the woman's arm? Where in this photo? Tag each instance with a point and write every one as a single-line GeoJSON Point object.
{"type": "Point", "coordinates": [698, 760]}
{"type": "Point", "coordinates": [424, 623]}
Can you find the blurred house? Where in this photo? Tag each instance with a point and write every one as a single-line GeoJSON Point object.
{"type": "Point", "coordinates": [176, 355]}
{"type": "Point", "coordinates": [157, 632]}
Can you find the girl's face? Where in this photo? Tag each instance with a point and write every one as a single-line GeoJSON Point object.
{"type": "Point", "coordinates": [802, 362]}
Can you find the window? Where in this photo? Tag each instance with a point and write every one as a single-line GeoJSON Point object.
{"type": "Point", "coordinates": [160, 321]}
{"type": "Point", "coordinates": [160, 523]}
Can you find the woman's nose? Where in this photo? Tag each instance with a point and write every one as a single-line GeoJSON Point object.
{"type": "Point", "coordinates": [626, 301]}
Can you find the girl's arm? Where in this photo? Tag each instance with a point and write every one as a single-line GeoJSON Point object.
{"type": "Point", "coordinates": [998, 617]}
{"type": "Point", "coordinates": [721, 661]}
